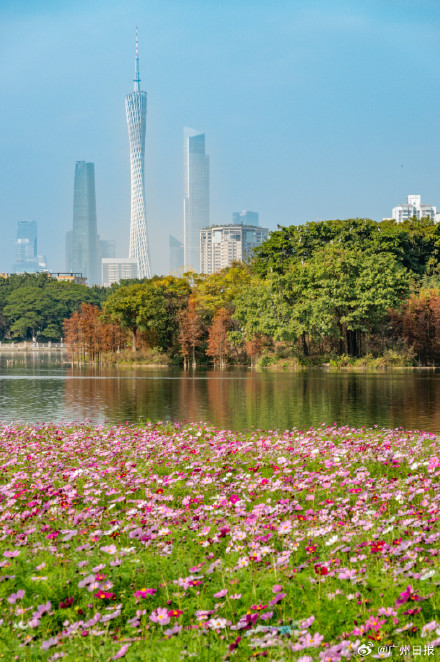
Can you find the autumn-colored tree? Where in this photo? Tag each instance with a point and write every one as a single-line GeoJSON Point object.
{"type": "Point", "coordinates": [418, 323]}
{"type": "Point", "coordinates": [87, 336]}
{"type": "Point", "coordinates": [190, 331]}
{"type": "Point", "coordinates": [255, 346]}
{"type": "Point", "coordinates": [219, 346]}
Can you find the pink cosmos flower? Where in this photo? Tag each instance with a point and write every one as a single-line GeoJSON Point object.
{"type": "Point", "coordinates": [276, 588]}
{"type": "Point", "coordinates": [160, 616]}
{"type": "Point", "coordinates": [266, 615]}
{"type": "Point", "coordinates": [407, 595]}
{"type": "Point", "coordinates": [308, 622]}
{"type": "Point", "coordinates": [109, 549]}
{"type": "Point", "coordinates": [221, 594]}
{"type": "Point", "coordinates": [277, 599]}
{"type": "Point", "coordinates": [234, 498]}
{"type": "Point", "coordinates": [434, 462]}
{"type": "Point", "coordinates": [121, 652]}
{"type": "Point", "coordinates": [176, 629]}
{"type": "Point", "coordinates": [11, 555]}
{"type": "Point", "coordinates": [104, 595]}
{"type": "Point", "coordinates": [145, 592]}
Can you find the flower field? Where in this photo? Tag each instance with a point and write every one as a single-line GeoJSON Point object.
{"type": "Point", "coordinates": [172, 541]}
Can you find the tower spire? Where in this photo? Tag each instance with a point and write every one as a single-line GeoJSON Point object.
{"type": "Point", "coordinates": [137, 80]}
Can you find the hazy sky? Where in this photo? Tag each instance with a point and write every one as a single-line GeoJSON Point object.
{"type": "Point", "coordinates": [313, 109]}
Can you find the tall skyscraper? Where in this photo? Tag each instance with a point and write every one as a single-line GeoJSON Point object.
{"type": "Point", "coordinates": [136, 109]}
{"type": "Point", "coordinates": [245, 217]}
{"type": "Point", "coordinates": [82, 242]}
{"type": "Point", "coordinates": [26, 247]}
{"type": "Point", "coordinates": [26, 259]}
{"type": "Point", "coordinates": [196, 196]}
{"type": "Point", "coordinates": [176, 255]}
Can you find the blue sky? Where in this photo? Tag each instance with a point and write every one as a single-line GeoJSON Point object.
{"type": "Point", "coordinates": [312, 110]}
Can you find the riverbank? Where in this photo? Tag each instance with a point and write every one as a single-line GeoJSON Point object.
{"type": "Point", "coordinates": [170, 540]}
{"type": "Point", "coordinates": [32, 347]}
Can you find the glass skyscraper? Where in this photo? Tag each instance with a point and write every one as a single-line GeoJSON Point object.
{"type": "Point", "coordinates": [136, 110]}
{"type": "Point", "coordinates": [196, 196]}
{"type": "Point", "coordinates": [26, 259]}
{"type": "Point", "coordinates": [82, 242]}
{"type": "Point", "coordinates": [176, 255]}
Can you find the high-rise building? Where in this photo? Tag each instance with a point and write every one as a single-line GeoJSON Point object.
{"type": "Point", "coordinates": [107, 248]}
{"type": "Point", "coordinates": [117, 269]}
{"type": "Point", "coordinates": [136, 110]}
{"type": "Point", "coordinates": [196, 196]}
{"type": "Point", "coordinates": [26, 258]}
{"type": "Point", "coordinates": [26, 246]}
{"type": "Point", "coordinates": [82, 251]}
{"type": "Point", "coordinates": [414, 208]}
{"type": "Point", "coordinates": [220, 245]}
{"type": "Point", "coordinates": [245, 217]}
{"type": "Point", "coordinates": [176, 255]}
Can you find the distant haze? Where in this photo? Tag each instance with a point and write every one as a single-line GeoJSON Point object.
{"type": "Point", "coordinates": [312, 110]}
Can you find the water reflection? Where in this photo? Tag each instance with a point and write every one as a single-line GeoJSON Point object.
{"type": "Point", "coordinates": [37, 387]}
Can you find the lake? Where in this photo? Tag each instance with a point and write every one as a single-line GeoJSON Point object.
{"type": "Point", "coordinates": [37, 387]}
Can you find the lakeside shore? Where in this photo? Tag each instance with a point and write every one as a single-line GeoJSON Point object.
{"type": "Point", "coordinates": [150, 542]}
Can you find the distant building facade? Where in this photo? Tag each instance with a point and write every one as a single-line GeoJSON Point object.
{"type": "Point", "coordinates": [414, 207]}
{"type": "Point", "coordinates": [196, 196]}
{"type": "Point", "coordinates": [116, 269]}
{"type": "Point", "coordinates": [176, 255]}
{"type": "Point", "coordinates": [27, 259]}
{"type": "Point", "coordinates": [245, 217]}
{"type": "Point", "coordinates": [69, 278]}
{"type": "Point", "coordinates": [220, 245]}
{"type": "Point", "coordinates": [82, 252]}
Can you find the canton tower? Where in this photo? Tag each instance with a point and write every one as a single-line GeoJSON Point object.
{"type": "Point", "coordinates": [136, 109]}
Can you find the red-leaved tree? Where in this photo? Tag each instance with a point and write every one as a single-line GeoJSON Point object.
{"type": "Point", "coordinates": [191, 330]}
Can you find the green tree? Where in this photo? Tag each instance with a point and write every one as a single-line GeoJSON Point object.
{"type": "Point", "coordinates": [28, 311]}
{"type": "Point", "coordinates": [123, 306]}
{"type": "Point", "coordinates": [338, 293]}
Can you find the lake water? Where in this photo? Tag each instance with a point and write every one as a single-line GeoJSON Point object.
{"type": "Point", "coordinates": [44, 387]}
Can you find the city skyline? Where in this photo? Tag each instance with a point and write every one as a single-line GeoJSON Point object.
{"type": "Point", "coordinates": [302, 104]}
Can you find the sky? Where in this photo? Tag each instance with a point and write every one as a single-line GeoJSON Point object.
{"type": "Point", "coordinates": [313, 110]}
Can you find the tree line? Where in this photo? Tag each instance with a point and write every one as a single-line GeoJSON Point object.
{"type": "Point", "coordinates": [312, 293]}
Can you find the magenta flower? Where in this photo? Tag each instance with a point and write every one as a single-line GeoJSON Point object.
{"type": "Point", "coordinates": [407, 595]}
{"type": "Point", "coordinates": [104, 595]}
{"type": "Point", "coordinates": [145, 592]}
{"type": "Point", "coordinates": [53, 535]}
{"type": "Point", "coordinates": [234, 498]}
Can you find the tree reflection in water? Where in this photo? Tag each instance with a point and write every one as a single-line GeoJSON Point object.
{"type": "Point", "coordinates": [44, 388]}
